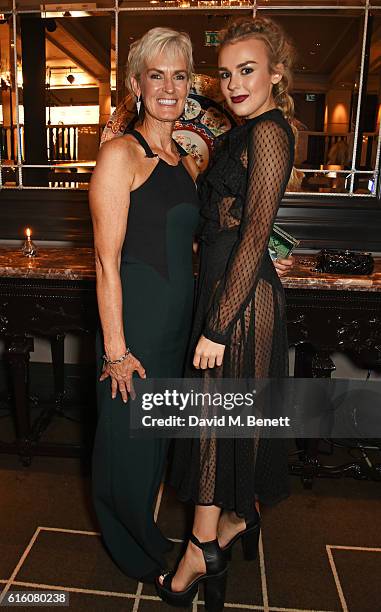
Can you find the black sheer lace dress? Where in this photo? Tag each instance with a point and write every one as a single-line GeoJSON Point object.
{"type": "Point", "coordinates": [240, 303]}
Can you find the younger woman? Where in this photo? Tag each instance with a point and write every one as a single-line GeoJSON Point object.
{"type": "Point", "coordinates": [239, 329]}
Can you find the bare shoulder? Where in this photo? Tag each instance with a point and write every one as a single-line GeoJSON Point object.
{"type": "Point", "coordinates": [115, 160]}
{"type": "Point", "coordinates": [117, 157]}
{"type": "Point", "coordinates": [118, 150]}
{"type": "Point", "coordinates": [191, 166]}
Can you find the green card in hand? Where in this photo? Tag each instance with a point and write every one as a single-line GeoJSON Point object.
{"type": "Point", "coordinates": [281, 243]}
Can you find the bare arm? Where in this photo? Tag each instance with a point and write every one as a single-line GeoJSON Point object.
{"type": "Point", "coordinates": [109, 198]}
{"type": "Point", "coordinates": [109, 203]}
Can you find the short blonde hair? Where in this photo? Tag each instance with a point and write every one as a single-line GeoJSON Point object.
{"type": "Point", "coordinates": [152, 43]}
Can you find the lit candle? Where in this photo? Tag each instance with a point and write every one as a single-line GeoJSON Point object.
{"type": "Point", "coordinates": [29, 248]}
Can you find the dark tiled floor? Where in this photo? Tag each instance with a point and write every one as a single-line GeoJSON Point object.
{"type": "Point", "coordinates": [51, 562]}
{"type": "Point", "coordinates": [359, 573]}
{"type": "Point", "coordinates": [293, 573]}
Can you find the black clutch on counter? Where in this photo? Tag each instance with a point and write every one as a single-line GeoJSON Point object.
{"type": "Point", "coordinates": [344, 262]}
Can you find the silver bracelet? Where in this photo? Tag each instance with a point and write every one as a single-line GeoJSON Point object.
{"type": "Point", "coordinates": [115, 361]}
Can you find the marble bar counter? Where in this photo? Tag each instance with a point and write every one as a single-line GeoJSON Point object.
{"type": "Point", "coordinates": [59, 263]}
{"type": "Point", "coordinates": [77, 263]}
{"type": "Point", "coordinates": [303, 276]}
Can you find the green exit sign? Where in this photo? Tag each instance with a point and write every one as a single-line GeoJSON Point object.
{"type": "Point", "coordinates": [211, 39]}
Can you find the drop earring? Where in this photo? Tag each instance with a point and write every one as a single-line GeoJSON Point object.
{"type": "Point", "coordinates": [138, 104]}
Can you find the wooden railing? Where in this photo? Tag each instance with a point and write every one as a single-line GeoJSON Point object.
{"type": "Point", "coordinates": [78, 142]}
{"type": "Point", "coordinates": [314, 148]}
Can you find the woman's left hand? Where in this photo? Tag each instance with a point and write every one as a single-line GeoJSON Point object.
{"type": "Point", "coordinates": [208, 354]}
{"type": "Point", "coordinates": [283, 266]}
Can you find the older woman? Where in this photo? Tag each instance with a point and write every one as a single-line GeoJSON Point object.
{"type": "Point", "coordinates": [144, 209]}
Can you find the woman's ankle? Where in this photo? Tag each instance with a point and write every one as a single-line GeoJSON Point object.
{"type": "Point", "coordinates": [205, 523]}
{"type": "Point", "coordinates": [204, 536]}
{"type": "Point", "coordinates": [230, 517]}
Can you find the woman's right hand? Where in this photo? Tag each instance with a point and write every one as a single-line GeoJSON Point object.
{"type": "Point", "coordinates": [284, 265]}
{"type": "Point", "coordinates": [121, 376]}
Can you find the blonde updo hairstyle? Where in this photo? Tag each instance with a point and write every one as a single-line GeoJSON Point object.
{"type": "Point", "coordinates": [153, 43]}
{"type": "Point", "coordinates": [280, 51]}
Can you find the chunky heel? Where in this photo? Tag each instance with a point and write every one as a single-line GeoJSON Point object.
{"type": "Point", "coordinates": [250, 541]}
{"type": "Point", "coordinates": [214, 590]}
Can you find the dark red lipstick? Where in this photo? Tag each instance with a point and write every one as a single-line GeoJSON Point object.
{"type": "Point", "coordinates": [239, 99]}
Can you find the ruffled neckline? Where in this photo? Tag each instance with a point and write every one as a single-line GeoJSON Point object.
{"type": "Point", "coordinates": [225, 177]}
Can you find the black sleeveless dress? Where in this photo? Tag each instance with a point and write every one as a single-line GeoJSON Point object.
{"type": "Point", "coordinates": [240, 303]}
{"type": "Point", "coordinates": [157, 284]}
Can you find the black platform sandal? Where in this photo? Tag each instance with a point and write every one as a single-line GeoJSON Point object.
{"type": "Point", "coordinates": [249, 538]}
{"type": "Point", "coordinates": [214, 580]}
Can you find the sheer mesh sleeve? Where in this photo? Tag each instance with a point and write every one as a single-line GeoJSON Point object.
{"type": "Point", "coordinates": [269, 165]}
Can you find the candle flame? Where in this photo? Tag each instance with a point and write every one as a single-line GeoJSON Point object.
{"type": "Point", "coordinates": [28, 232]}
